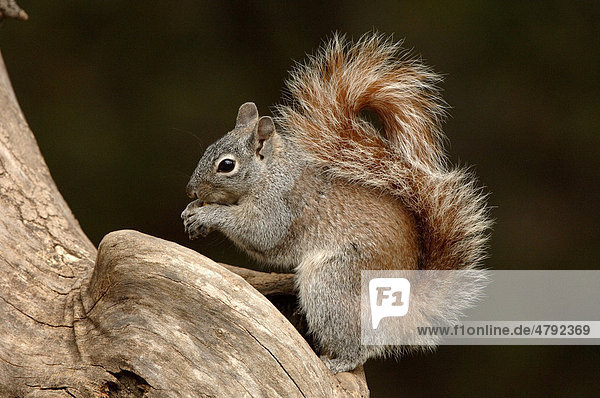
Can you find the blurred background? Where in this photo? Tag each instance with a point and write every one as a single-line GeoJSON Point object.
{"type": "Point", "coordinates": [124, 96]}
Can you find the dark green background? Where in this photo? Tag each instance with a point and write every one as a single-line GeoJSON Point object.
{"type": "Point", "coordinates": [123, 96]}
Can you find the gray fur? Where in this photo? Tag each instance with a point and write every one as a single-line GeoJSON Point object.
{"type": "Point", "coordinates": [250, 207]}
{"type": "Point", "coordinates": [285, 213]}
{"type": "Point", "coordinates": [256, 208]}
{"type": "Point", "coordinates": [322, 193]}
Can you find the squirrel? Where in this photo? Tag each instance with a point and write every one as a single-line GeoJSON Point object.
{"type": "Point", "coordinates": [320, 191]}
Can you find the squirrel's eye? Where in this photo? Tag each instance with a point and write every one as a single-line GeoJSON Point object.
{"type": "Point", "coordinates": [225, 166]}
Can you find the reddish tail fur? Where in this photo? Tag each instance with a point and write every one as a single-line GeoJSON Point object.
{"type": "Point", "coordinates": [407, 158]}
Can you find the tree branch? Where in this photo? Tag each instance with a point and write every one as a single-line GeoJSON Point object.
{"type": "Point", "coordinates": [10, 9]}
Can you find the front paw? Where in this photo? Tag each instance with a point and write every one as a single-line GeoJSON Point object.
{"type": "Point", "coordinates": [196, 230]}
{"type": "Point", "coordinates": [196, 220]}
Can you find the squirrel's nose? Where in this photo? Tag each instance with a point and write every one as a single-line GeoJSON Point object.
{"type": "Point", "coordinates": [190, 189]}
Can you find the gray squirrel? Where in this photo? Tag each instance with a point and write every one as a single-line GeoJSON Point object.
{"type": "Point", "coordinates": [320, 191]}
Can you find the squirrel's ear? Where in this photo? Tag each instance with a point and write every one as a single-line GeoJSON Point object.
{"type": "Point", "coordinates": [265, 128]}
{"type": "Point", "coordinates": [246, 114]}
{"type": "Point", "coordinates": [263, 132]}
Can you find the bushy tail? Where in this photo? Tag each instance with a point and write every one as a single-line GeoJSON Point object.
{"type": "Point", "coordinates": [325, 116]}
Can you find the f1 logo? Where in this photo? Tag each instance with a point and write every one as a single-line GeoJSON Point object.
{"type": "Point", "coordinates": [388, 297]}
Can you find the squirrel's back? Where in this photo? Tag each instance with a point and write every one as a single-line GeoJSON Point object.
{"type": "Point", "coordinates": [406, 159]}
{"type": "Point", "coordinates": [352, 218]}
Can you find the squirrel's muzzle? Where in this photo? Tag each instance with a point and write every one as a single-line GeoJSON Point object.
{"type": "Point", "coordinates": [190, 190]}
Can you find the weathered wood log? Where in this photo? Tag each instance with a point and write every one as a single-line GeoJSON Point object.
{"type": "Point", "coordinates": [140, 317]}
{"type": "Point", "coordinates": [219, 335]}
{"type": "Point", "coordinates": [266, 283]}
{"type": "Point", "coordinates": [10, 9]}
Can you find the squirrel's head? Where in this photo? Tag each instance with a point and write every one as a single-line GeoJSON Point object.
{"type": "Point", "coordinates": [237, 163]}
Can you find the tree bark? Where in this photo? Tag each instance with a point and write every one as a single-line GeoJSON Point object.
{"type": "Point", "coordinates": [10, 9]}
{"type": "Point", "coordinates": [139, 317]}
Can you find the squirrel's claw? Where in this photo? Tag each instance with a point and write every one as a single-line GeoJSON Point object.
{"type": "Point", "coordinates": [198, 232]}
{"type": "Point", "coordinates": [192, 222]}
